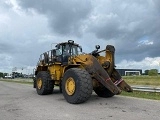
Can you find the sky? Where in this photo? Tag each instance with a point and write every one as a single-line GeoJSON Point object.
{"type": "Point", "coordinates": [28, 28]}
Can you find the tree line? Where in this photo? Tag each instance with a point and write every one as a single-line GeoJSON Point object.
{"type": "Point", "coordinates": [151, 72]}
{"type": "Point", "coordinates": [2, 75]}
{"type": "Point", "coordinates": [13, 75]}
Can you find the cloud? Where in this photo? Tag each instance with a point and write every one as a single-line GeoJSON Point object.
{"type": "Point", "coordinates": [125, 23]}
{"type": "Point", "coordinates": [65, 17]}
{"type": "Point", "coordinates": [28, 28]}
{"type": "Point", "coordinates": [19, 35]}
{"type": "Point", "coordinates": [146, 63]}
{"type": "Point", "coordinates": [128, 23]}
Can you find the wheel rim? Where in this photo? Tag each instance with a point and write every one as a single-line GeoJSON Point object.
{"type": "Point", "coordinates": [39, 83]}
{"type": "Point", "coordinates": [70, 86]}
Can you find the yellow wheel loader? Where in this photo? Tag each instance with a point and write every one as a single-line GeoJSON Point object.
{"type": "Point", "coordinates": [77, 73]}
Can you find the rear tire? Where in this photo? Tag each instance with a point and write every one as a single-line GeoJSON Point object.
{"type": "Point", "coordinates": [50, 86]}
{"type": "Point", "coordinates": [34, 82]}
{"type": "Point", "coordinates": [77, 85]}
{"type": "Point", "coordinates": [101, 91]}
{"type": "Point", "coordinates": [44, 84]}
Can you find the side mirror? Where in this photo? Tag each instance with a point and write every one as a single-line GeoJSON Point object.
{"type": "Point", "coordinates": [97, 47]}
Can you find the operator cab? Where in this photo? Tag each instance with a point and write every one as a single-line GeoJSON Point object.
{"type": "Point", "coordinates": [61, 53]}
{"type": "Point", "coordinates": [68, 49]}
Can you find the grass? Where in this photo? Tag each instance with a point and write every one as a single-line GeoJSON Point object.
{"type": "Point", "coordinates": [146, 95]}
{"type": "Point", "coordinates": [143, 80]}
{"type": "Point", "coordinates": [19, 81]}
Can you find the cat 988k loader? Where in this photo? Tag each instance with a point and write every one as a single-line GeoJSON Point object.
{"type": "Point", "coordinates": [78, 74]}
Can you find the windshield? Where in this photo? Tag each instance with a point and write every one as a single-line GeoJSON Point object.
{"type": "Point", "coordinates": [68, 49]}
{"type": "Point", "coordinates": [75, 50]}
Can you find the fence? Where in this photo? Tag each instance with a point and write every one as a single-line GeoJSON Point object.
{"type": "Point", "coordinates": [146, 89]}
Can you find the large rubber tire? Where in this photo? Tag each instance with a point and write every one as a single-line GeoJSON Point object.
{"type": "Point", "coordinates": [46, 84]}
{"type": "Point", "coordinates": [50, 86]}
{"type": "Point", "coordinates": [83, 85]}
{"type": "Point", "coordinates": [103, 92]}
{"type": "Point", "coordinates": [34, 82]}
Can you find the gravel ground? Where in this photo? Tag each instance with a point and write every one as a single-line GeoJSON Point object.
{"type": "Point", "coordinates": [21, 102]}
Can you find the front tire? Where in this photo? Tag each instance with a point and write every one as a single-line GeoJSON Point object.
{"type": "Point", "coordinates": [102, 91]}
{"type": "Point", "coordinates": [44, 84]}
{"type": "Point", "coordinates": [77, 85]}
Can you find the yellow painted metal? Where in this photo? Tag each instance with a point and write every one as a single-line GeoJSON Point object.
{"type": "Point", "coordinates": [85, 59]}
{"type": "Point", "coordinates": [101, 59]}
{"type": "Point", "coordinates": [39, 83]}
{"type": "Point", "coordinates": [55, 71]}
{"type": "Point", "coordinates": [70, 86]}
{"type": "Point", "coordinates": [109, 56]}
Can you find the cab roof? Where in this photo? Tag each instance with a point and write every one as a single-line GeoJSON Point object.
{"type": "Point", "coordinates": [69, 42]}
